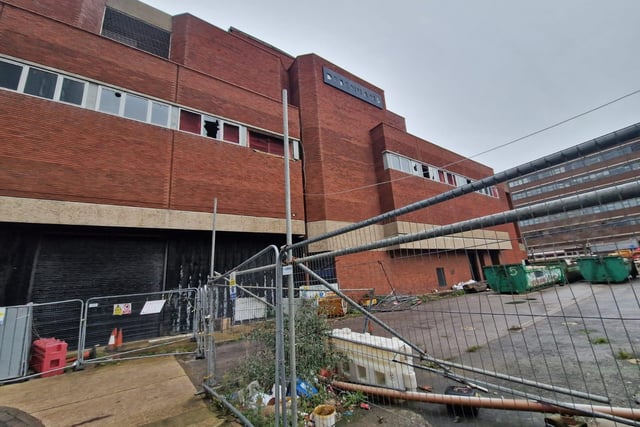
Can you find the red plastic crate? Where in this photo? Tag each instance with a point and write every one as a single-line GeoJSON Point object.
{"type": "Point", "coordinates": [48, 354]}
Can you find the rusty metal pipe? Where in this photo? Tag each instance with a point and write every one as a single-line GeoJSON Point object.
{"type": "Point", "coordinates": [491, 402]}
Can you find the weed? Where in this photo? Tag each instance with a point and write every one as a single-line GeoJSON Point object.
{"type": "Point", "coordinates": [311, 335]}
{"type": "Point", "coordinates": [473, 348]}
{"type": "Point", "coordinates": [600, 340]}
{"type": "Point", "coordinates": [624, 355]}
{"type": "Point", "coordinates": [515, 328]}
{"type": "Point", "coordinates": [352, 398]}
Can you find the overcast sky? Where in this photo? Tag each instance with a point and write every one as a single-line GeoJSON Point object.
{"type": "Point", "coordinates": [468, 75]}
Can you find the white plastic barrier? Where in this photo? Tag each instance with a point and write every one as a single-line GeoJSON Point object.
{"type": "Point", "coordinates": [371, 359]}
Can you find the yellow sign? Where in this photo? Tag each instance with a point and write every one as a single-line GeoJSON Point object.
{"type": "Point", "coordinates": [121, 309]}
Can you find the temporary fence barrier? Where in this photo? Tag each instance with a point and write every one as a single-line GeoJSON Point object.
{"type": "Point", "coordinates": [22, 325]}
{"type": "Point", "coordinates": [570, 348]}
{"type": "Point", "coordinates": [141, 325]}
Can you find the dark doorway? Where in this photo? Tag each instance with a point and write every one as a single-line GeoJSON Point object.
{"type": "Point", "coordinates": [442, 280]}
{"type": "Point", "coordinates": [473, 265]}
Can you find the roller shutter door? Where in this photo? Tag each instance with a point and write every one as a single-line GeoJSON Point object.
{"type": "Point", "coordinates": [83, 267]}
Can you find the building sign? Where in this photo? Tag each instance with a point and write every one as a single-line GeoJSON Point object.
{"type": "Point", "coordinates": [338, 81]}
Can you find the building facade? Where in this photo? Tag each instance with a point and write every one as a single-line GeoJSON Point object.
{"type": "Point", "coordinates": [120, 125]}
{"type": "Point", "coordinates": [592, 230]}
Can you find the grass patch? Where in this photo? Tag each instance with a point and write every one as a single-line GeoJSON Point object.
{"type": "Point", "coordinates": [473, 348]}
{"type": "Point", "coordinates": [624, 355]}
{"type": "Point", "coordinates": [441, 295]}
{"type": "Point", "coordinates": [599, 340]}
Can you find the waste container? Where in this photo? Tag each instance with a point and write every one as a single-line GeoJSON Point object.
{"type": "Point", "coordinates": [605, 269]}
{"type": "Point", "coordinates": [570, 268]}
{"type": "Point", "coordinates": [519, 279]}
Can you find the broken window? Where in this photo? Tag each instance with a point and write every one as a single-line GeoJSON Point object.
{"type": "Point", "coordinates": [110, 101]}
{"type": "Point", "coordinates": [211, 127]}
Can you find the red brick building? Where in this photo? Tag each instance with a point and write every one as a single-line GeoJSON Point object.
{"type": "Point", "coordinates": [120, 125]}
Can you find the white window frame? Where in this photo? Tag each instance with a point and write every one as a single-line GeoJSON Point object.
{"type": "Point", "coordinates": [23, 76]}
{"type": "Point", "coordinates": [58, 91]}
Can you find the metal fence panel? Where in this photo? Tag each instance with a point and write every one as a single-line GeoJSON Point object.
{"type": "Point", "coordinates": [15, 338]}
{"type": "Point", "coordinates": [60, 321]}
{"type": "Point", "coordinates": [571, 347]}
{"type": "Point", "coordinates": [134, 324]}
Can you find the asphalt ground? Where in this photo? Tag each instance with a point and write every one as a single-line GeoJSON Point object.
{"type": "Point", "coordinates": [547, 331]}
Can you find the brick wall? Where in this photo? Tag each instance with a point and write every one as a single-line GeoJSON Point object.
{"type": "Point", "coordinates": [337, 144]}
{"type": "Point", "coordinates": [85, 14]}
{"type": "Point", "coordinates": [245, 182]}
{"type": "Point", "coordinates": [414, 275]}
{"type": "Point", "coordinates": [61, 152]}
{"type": "Point", "coordinates": [54, 151]}
{"type": "Point", "coordinates": [212, 95]}
{"type": "Point", "coordinates": [206, 48]}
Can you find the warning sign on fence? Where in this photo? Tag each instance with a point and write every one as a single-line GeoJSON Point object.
{"type": "Point", "coordinates": [152, 307]}
{"type": "Point", "coordinates": [120, 309]}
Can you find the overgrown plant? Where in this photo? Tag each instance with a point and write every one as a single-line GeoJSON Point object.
{"type": "Point", "coordinates": [313, 351]}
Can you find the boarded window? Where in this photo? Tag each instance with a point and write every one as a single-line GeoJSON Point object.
{"type": "Point", "coordinates": [231, 133]}
{"type": "Point", "coordinates": [190, 122]}
{"type": "Point", "coordinates": [266, 143]}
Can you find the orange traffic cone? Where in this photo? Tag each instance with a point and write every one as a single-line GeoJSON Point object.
{"type": "Point", "coordinates": [111, 345]}
{"type": "Point", "coordinates": [119, 339]}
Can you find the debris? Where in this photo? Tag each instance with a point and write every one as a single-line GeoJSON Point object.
{"type": "Point", "coordinates": [475, 287]}
{"type": "Point", "coordinates": [304, 389]}
{"type": "Point", "coordinates": [426, 388]}
{"type": "Point", "coordinates": [252, 397]}
{"type": "Point", "coordinates": [563, 421]}
{"type": "Point", "coordinates": [365, 406]}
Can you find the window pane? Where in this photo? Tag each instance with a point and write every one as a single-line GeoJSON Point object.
{"type": "Point", "coordinates": [211, 127]}
{"type": "Point", "coordinates": [231, 133]}
{"type": "Point", "coordinates": [136, 107]}
{"type": "Point", "coordinates": [41, 83]}
{"type": "Point", "coordinates": [9, 75]}
{"type": "Point", "coordinates": [394, 161]}
{"type": "Point", "coordinates": [110, 101]}
{"type": "Point", "coordinates": [276, 146]}
{"type": "Point", "coordinates": [72, 91]}
{"type": "Point", "coordinates": [258, 141]}
{"type": "Point", "coordinates": [159, 114]}
{"type": "Point", "coordinates": [189, 122]}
